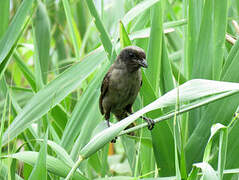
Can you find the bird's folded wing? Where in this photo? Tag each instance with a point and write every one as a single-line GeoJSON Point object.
{"type": "Point", "coordinates": [104, 89]}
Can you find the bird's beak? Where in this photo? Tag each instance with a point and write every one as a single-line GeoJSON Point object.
{"type": "Point", "coordinates": [143, 63]}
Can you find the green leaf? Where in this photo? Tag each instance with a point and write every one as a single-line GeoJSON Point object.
{"type": "Point", "coordinates": [194, 21]}
{"type": "Point", "coordinates": [39, 171]}
{"type": "Point", "coordinates": [4, 18]}
{"type": "Point", "coordinates": [105, 39]}
{"type": "Point", "coordinates": [2, 122]}
{"type": "Point", "coordinates": [192, 90]}
{"type": "Point", "coordinates": [207, 171]}
{"type": "Point", "coordinates": [222, 152]}
{"type": "Point", "coordinates": [53, 165]}
{"type": "Point", "coordinates": [137, 10]}
{"type": "Point", "coordinates": [52, 94]}
{"type": "Point", "coordinates": [154, 53]}
{"type": "Point", "coordinates": [215, 128]}
{"type": "Point", "coordinates": [231, 57]}
{"type": "Point", "coordinates": [124, 38]}
{"type": "Point", "coordinates": [25, 70]}
{"type": "Point", "coordinates": [75, 37]}
{"type": "Point", "coordinates": [217, 113]}
{"type": "Point", "coordinates": [203, 57]}
{"type": "Point", "coordinates": [4, 172]}
{"type": "Point", "coordinates": [41, 45]}
{"type": "Point", "coordinates": [84, 116]}
{"type": "Point", "coordinates": [14, 29]}
{"type": "Point", "coordinates": [220, 26]}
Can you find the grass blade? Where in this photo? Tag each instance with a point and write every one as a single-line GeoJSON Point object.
{"type": "Point", "coordinates": [25, 70]}
{"type": "Point", "coordinates": [4, 18]}
{"type": "Point", "coordinates": [52, 94]}
{"type": "Point", "coordinates": [105, 39]}
{"type": "Point", "coordinates": [71, 25]}
{"type": "Point", "coordinates": [14, 29]}
{"type": "Point", "coordinates": [53, 165]}
{"type": "Point", "coordinates": [41, 45]}
{"type": "Point", "coordinates": [137, 10]}
{"type": "Point", "coordinates": [39, 171]}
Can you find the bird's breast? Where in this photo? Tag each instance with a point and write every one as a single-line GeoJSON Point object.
{"type": "Point", "coordinates": [124, 87]}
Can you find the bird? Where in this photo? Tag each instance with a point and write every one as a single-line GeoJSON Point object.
{"type": "Point", "coordinates": [121, 85]}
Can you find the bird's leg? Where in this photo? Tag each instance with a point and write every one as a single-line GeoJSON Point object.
{"type": "Point", "coordinates": [107, 118]}
{"type": "Point", "coordinates": [150, 122]}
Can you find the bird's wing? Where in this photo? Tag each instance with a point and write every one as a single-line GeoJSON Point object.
{"type": "Point", "coordinates": [104, 89]}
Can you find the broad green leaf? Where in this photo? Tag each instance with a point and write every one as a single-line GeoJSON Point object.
{"type": "Point", "coordinates": [84, 116]}
{"type": "Point", "coordinates": [52, 94]}
{"type": "Point", "coordinates": [218, 112]}
{"type": "Point", "coordinates": [189, 91]}
{"type": "Point", "coordinates": [192, 90]}
{"type": "Point", "coordinates": [54, 165]}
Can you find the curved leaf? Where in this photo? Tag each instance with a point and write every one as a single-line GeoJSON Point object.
{"type": "Point", "coordinates": [52, 94]}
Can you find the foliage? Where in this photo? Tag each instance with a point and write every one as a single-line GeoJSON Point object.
{"type": "Point", "coordinates": [53, 57]}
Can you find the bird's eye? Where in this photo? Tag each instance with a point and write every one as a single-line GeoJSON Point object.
{"type": "Point", "coordinates": [131, 54]}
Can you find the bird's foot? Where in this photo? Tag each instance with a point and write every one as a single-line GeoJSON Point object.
{"type": "Point", "coordinates": [108, 123]}
{"type": "Point", "coordinates": [114, 140]}
{"type": "Point", "coordinates": [150, 122]}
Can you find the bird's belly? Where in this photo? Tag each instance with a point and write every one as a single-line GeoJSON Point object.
{"type": "Point", "coordinates": [124, 93]}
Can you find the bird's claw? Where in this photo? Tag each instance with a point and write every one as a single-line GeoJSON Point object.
{"type": "Point", "coordinates": [150, 122]}
{"type": "Point", "coordinates": [114, 140]}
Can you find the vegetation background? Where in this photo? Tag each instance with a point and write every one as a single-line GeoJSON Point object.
{"type": "Point", "coordinates": [53, 57]}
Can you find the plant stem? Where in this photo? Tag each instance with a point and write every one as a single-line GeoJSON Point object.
{"type": "Point", "coordinates": [76, 165]}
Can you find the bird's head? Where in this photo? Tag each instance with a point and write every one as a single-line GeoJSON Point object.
{"type": "Point", "coordinates": [133, 57]}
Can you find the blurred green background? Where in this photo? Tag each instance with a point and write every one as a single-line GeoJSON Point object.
{"type": "Point", "coordinates": [53, 57]}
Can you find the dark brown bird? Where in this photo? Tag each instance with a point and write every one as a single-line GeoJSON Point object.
{"type": "Point", "coordinates": [122, 83]}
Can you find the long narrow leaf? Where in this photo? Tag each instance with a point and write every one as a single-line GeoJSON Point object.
{"type": "Point", "coordinates": [52, 94]}
{"type": "Point", "coordinates": [14, 29]}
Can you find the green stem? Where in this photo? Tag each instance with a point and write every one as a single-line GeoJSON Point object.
{"type": "Point", "coordinates": [172, 114]}
{"type": "Point", "coordinates": [76, 165]}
